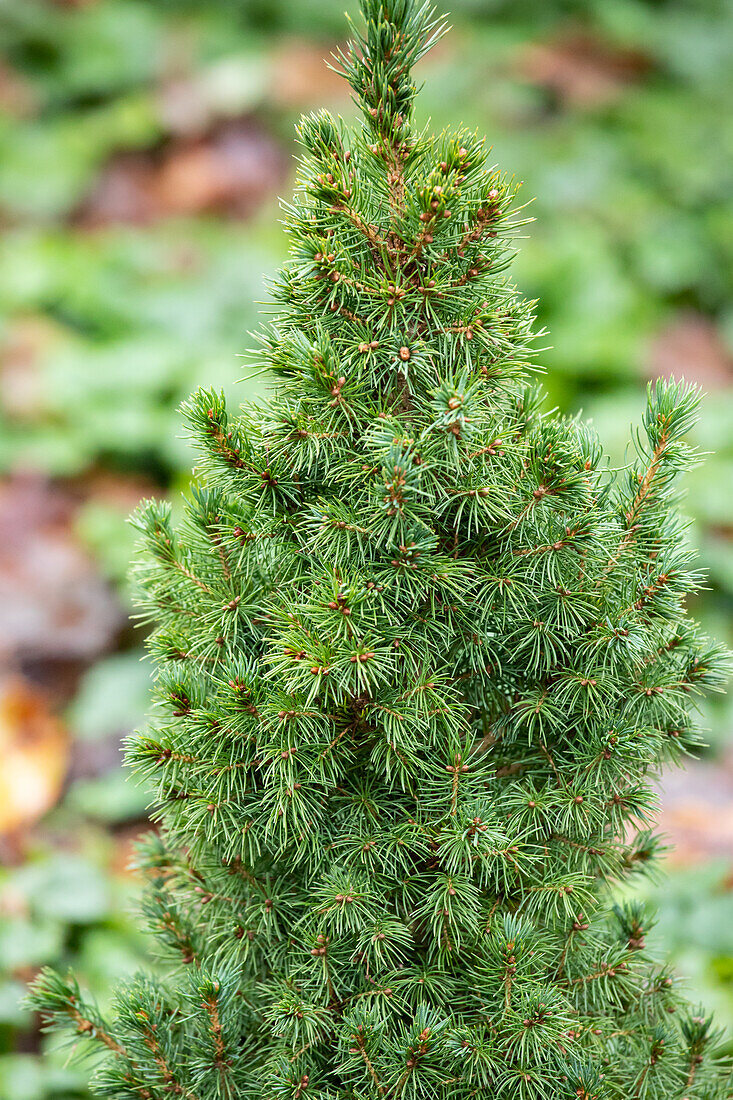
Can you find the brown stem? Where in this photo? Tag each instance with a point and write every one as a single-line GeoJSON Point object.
{"type": "Point", "coordinates": [192, 576]}
{"type": "Point", "coordinates": [548, 756]}
{"type": "Point", "coordinates": [216, 539]}
{"type": "Point", "coordinates": [222, 1062]}
{"type": "Point", "coordinates": [645, 487]}
{"type": "Point", "coordinates": [368, 230]}
{"type": "Point", "coordinates": [372, 1072]}
{"type": "Point", "coordinates": [88, 1027]}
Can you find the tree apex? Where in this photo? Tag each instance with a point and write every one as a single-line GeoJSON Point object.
{"type": "Point", "coordinates": [378, 60]}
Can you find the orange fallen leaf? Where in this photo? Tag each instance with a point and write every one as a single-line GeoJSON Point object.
{"type": "Point", "coordinates": [34, 749]}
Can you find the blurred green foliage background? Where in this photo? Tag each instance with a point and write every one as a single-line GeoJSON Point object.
{"type": "Point", "coordinates": [142, 147]}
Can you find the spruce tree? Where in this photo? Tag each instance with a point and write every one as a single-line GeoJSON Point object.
{"type": "Point", "coordinates": [420, 655]}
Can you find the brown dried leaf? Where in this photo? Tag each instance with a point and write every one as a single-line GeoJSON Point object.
{"type": "Point", "coordinates": [232, 171]}
{"type": "Point", "coordinates": [691, 347]}
{"type": "Point", "coordinates": [54, 606]}
{"type": "Point", "coordinates": [17, 96]}
{"type": "Point", "coordinates": [581, 69]}
{"type": "Point", "coordinates": [229, 171]}
{"type": "Point", "coordinates": [301, 79]}
{"type": "Point", "coordinates": [26, 340]}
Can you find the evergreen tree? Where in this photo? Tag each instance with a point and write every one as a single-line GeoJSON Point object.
{"type": "Point", "coordinates": [420, 655]}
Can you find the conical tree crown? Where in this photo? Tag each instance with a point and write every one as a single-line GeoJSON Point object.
{"type": "Point", "coordinates": [419, 657]}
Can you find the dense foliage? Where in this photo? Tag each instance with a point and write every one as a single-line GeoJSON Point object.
{"type": "Point", "coordinates": [420, 655]}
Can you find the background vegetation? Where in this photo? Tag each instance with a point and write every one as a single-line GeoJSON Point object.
{"type": "Point", "coordinates": [142, 146]}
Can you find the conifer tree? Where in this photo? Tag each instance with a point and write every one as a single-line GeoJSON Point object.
{"type": "Point", "coordinates": [419, 654]}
